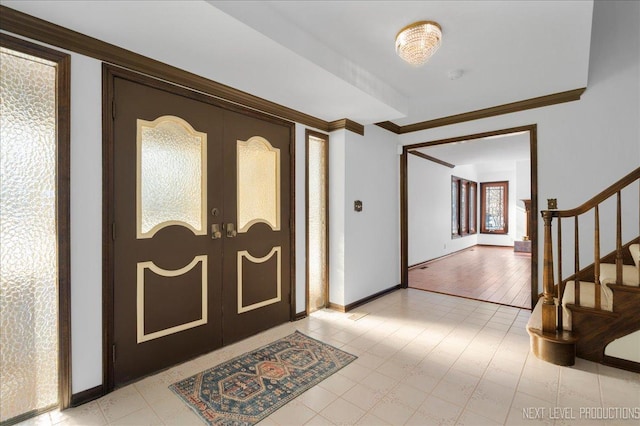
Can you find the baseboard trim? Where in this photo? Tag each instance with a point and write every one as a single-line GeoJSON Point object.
{"type": "Point", "coordinates": [28, 415]}
{"type": "Point", "coordinates": [300, 315]}
{"type": "Point", "coordinates": [624, 364]}
{"type": "Point", "coordinates": [364, 300]}
{"type": "Point", "coordinates": [87, 395]}
{"type": "Point", "coordinates": [336, 307]}
{"type": "Point", "coordinates": [442, 257]}
{"type": "Point", "coordinates": [455, 252]}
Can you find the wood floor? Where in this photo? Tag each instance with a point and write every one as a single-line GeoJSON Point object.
{"type": "Point", "coordinates": [489, 273]}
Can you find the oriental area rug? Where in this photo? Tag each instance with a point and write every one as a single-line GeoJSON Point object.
{"type": "Point", "coordinates": [250, 387]}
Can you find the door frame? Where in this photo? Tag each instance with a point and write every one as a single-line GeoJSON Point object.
{"type": "Point", "coordinates": [532, 129]}
{"type": "Point", "coordinates": [63, 185]}
{"type": "Point", "coordinates": [109, 73]}
{"type": "Point", "coordinates": [325, 137]}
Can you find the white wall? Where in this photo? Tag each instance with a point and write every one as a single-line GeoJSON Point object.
{"type": "Point", "coordinates": [586, 145]}
{"type": "Point", "coordinates": [364, 256]}
{"type": "Point", "coordinates": [86, 223]}
{"type": "Point", "coordinates": [337, 182]}
{"type": "Point", "coordinates": [371, 237]}
{"type": "Point", "coordinates": [429, 209]}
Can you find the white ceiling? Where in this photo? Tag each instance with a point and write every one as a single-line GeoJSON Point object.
{"type": "Point", "coordinates": [494, 149]}
{"type": "Point", "coordinates": [336, 59]}
{"type": "Point", "coordinates": [508, 50]}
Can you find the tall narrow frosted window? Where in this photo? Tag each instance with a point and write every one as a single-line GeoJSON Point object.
{"type": "Point", "coordinates": [28, 235]}
{"type": "Point", "coordinates": [258, 168]}
{"type": "Point", "coordinates": [317, 222]}
{"type": "Point", "coordinates": [172, 176]}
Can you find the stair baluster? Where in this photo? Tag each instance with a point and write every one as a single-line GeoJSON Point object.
{"type": "Point", "coordinates": [596, 262]}
{"type": "Point", "coordinates": [548, 304]}
{"type": "Point", "coordinates": [619, 240]}
{"type": "Point", "coordinates": [577, 263]}
{"type": "Point", "coordinates": [561, 284]}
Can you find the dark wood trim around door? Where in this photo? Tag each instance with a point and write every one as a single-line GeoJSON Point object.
{"type": "Point", "coordinates": [38, 29]}
{"type": "Point", "coordinates": [109, 73]}
{"type": "Point", "coordinates": [63, 129]}
{"type": "Point", "coordinates": [404, 220]}
{"type": "Point", "coordinates": [306, 211]}
{"type": "Point", "coordinates": [404, 214]}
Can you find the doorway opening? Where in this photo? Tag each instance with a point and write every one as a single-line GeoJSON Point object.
{"type": "Point", "coordinates": [442, 204]}
{"type": "Point", "coordinates": [317, 220]}
{"type": "Point", "coordinates": [34, 230]}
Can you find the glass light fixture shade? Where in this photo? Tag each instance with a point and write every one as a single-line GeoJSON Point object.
{"type": "Point", "coordinates": [417, 42]}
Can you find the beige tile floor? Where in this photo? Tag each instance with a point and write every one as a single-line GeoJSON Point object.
{"type": "Point", "coordinates": [423, 359]}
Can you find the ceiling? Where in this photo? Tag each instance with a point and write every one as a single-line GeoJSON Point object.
{"type": "Point", "coordinates": [508, 148]}
{"type": "Point", "coordinates": [507, 51]}
{"type": "Point", "coordinates": [336, 59]}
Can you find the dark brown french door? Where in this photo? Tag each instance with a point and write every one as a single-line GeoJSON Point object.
{"type": "Point", "coordinates": [199, 223]}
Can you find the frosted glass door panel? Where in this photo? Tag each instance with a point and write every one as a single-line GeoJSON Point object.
{"type": "Point", "coordinates": [172, 176]}
{"type": "Point", "coordinates": [258, 184]}
{"type": "Point", "coordinates": [317, 224]}
{"type": "Point", "coordinates": [28, 235]}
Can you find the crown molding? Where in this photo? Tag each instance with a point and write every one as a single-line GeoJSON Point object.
{"type": "Point", "coordinates": [28, 26]}
{"type": "Point", "coordinates": [541, 101]}
{"type": "Point", "coordinates": [430, 158]}
{"type": "Point", "coordinates": [388, 125]}
{"type": "Point", "coordinates": [347, 124]}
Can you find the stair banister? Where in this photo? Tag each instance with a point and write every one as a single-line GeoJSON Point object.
{"type": "Point", "coordinates": [585, 207]}
{"type": "Point", "coordinates": [551, 318]}
{"type": "Point", "coordinates": [591, 329]}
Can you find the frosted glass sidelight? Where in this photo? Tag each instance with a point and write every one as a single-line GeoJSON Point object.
{"type": "Point", "coordinates": [171, 176]}
{"type": "Point", "coordinates": [28, 235]}
{"type": "Point", "coordinates": [317, 223]}
{"type": "Point", "coordinates": [258, 184]}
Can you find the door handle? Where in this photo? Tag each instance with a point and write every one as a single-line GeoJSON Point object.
{"type": "Point", "coordinates": [215, 231]}
{"type": "Point", "coordinates": [231, 232]}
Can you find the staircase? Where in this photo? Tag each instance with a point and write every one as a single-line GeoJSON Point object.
{"type": "Point", "coordinates": [579, 315]}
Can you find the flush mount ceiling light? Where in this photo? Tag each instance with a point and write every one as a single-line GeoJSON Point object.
{"type": "Point", "coordinates": [417, 42]}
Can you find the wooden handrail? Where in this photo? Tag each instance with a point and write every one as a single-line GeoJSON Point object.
{"type": "Point", "coordinates": [608, 192]}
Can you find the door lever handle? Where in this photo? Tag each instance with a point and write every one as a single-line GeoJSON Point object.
{"type": "Point", "coordinates": [215, 231]}
{"type": "Point", "coordinates": [231, 232]}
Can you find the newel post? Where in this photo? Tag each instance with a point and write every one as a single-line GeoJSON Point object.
{"type": "Point", "coordinates": [548, 302]}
